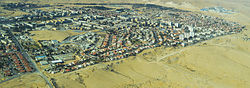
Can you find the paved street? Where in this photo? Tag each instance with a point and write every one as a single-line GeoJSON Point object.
{"type": "Point", "coordinates": [24, 53]}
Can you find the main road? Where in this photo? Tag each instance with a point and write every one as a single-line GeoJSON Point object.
{"type": "Point", "coordinates": [24, 53]}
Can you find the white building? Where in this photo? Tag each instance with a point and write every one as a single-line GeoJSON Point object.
{"type": "Point", "coordinates": [56, 61]}
{"type": "Point", "coordinates": [181, 37]}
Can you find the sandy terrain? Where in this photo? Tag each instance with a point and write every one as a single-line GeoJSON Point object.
{"type": "Point", "coordinates": [26, 81]}
{"type": "Point", "coordinates": [53, 35]}
{"type": "Point", "coordinates": [221, 62]}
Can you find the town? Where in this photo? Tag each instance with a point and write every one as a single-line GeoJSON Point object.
{"type": "Point", "coordinates": [109, 34]}
{"type": "Point", "coordinates": [13, 63]}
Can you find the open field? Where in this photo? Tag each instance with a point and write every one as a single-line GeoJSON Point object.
{"type": "Point", "coordinates": [59, 35]}
{"type": "Point", "coordinates": [221, 62]}
{"type": "Point", "coordinates": [4, 12]}
{"type": "Point", "coordinates": [26, 81]}
{"type": "Point", "coordinates": [53, 35]}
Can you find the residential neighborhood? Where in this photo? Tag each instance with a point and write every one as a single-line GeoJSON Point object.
{"type": "Point", "coordinates": [106, 35]}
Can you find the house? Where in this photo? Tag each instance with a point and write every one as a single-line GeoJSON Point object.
{"type": "Point", "coordinates": [183, 44]}
{"type": "Point", "coordinates": [64, 57]}
{"type": "Point", "coordinates": [181, 37]}
{"type": "Point", "coordinates": [57, 61]}
{"type": "Point", "coordinates": [54, 41]}
{"type": "Point", "coordinates": [44, 62]}
{"type": "Point", "coordinates": [40, 58]}
{"type": "Point", "coordinates": [177, 25]}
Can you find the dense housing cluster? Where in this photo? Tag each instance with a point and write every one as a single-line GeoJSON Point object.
{"type": "Point", "coordinates": [218, 9]}
{"type": "Point", "coordinates": [112, 34]}
{"type": "Point", "coordinates": [12, 62]}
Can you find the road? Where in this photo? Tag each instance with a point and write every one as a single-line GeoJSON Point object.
{"type": "Point", "coordinates": [12, 77]}
{"type": "Point", "coordinates": [24, 53]}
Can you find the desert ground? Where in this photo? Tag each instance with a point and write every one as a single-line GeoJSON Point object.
{"type": "Point", "coordinates": [53, 35]}
{"type": "Point", "coordinates": [26, 81]}
{"type": "Point", "coordinates": [222, 62]}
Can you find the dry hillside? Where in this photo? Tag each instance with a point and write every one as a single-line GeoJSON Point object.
{"type": "Point", "coordinates": [26, 81]}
